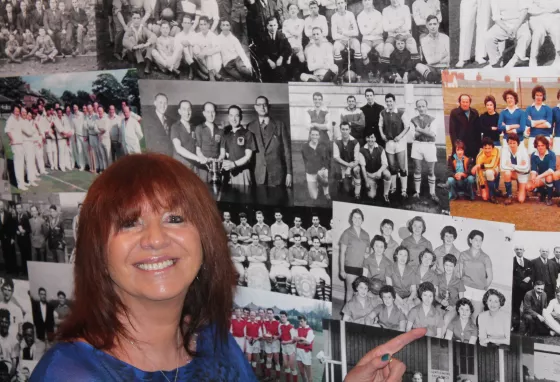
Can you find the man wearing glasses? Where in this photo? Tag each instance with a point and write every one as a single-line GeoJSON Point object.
{"type": "Point", "coordinates": [273, 158]}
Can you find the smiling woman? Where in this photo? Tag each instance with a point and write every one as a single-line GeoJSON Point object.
{"type": "Point", "coordinates": [149, 254]}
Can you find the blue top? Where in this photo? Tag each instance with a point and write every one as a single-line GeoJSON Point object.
{"type": "Point", "coordinates": [556, 121]}
{"type": "Point", "coordinates": [536, 115]}
{"type": "Point", "coordinates": [542, 165]}
{"type": "Point", "coordinates": [79, 361]}
{"type": "Point", "coordinates": [518, 117]}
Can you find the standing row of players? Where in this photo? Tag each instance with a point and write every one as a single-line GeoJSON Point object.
{"type": "Point", "coordinates": [526, 154]}
{"type": "Point", "coordinates": [372, 147]}
{"type": "Point", "coordinates": [212, 42]}
{"type": "Point", "coordinates": [263, 336]}
{"type": "Point", "coordinates": [307, 259]}
{"type": "Point", "coordinates": [64, 138]}
{"type": "Point", "coordinates": [41, 30]}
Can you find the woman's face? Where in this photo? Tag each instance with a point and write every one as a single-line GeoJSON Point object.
{"type": "Point", "coordinates": [510, 100]}
{"type": "Point", "coordinates": [154, 258]}
{"type": "Point", "coordinates": [465, 311]}
{"type": "Point", "coordinates": [417, 228]}
{"type": "Point", "coordinates": [448, 267]}
{"type": "Point", "coordinates": [402, 257]}
{"type": "Point", "coordinates": [490, 107]}
{"type": "Point", "coordinates": [362, 290]}
{"type": "Point", "coordinates": [448, 238]}
{"type": "Point", "coordinates": [387, 230]}
{"type": "Point", "coordinates": [357, 220]}
{"type": "Point", "coordinates": [378, 248]}
{"type": "Point", "coordinates": [388, 299]}
{"type": "Point", "coordinates": [476, 242]}
{"type": "Point", "coordinates": [427, 260]}
{"type": "Point", "coordinates": [493, 303]}
{"type": "Point", "coordinates": [427, 297]}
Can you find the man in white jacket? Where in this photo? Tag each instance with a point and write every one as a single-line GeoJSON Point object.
{"type": "Point", "coordinates": [516, 165]}
{"type": "Point", "coordinates": [370, 23]}
{"type": "Point", "coordinates": [235, 60]}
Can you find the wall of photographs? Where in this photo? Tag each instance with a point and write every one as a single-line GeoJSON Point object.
{"type": "Point", "coordinates": [395, 166]}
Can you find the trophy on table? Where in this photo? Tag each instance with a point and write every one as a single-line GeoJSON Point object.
{"type": "Point", "coordinates": [214, 167]}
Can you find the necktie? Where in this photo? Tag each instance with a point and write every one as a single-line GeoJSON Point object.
{"type": "Point", "coordinates": [263, 124]}
{"type": "Point", "coordinates": [165, 125]}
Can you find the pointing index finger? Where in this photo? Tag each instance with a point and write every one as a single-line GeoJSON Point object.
{"type": "Point", "coordinates": [395, 345]}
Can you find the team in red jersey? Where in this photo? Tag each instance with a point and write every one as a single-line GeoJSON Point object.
{"type": "Point", "coordinates": [258, 330]}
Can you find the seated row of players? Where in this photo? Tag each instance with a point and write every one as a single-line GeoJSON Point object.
{"type": "Point", "coordinates": [518, 158]}
{"type": "Point", "coordinates": [290, 268]}
{"type": "Point", "coordinates": [262, 335]}
{"type": "Point", "coordinates": [28, 31]}
{"type": "Point", "coordinates": [452, 273]}
{"type": "Point", "coordinates": [445, 313]}
{"type": "Point", "coordinates": [283, 56]}
{"type": "Point", "coordinates": [370, 162]}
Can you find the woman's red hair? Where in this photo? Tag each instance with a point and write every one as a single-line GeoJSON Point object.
{"type": "Point", "coordinates": [117, 197]}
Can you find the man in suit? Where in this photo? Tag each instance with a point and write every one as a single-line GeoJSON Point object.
{"type": "Point", "coordinates": [546, 270]}
{"type": "Point", "coordinates": [23, 237]}
{"type": "Point", "coordinates": [25, 20]}
{"type": "Point", "coordinates": [53, 24]}
{"type": "Point", "coordinates": [274, 50]}
{"type": "Point", "coordinates": [7, 239]}
{"type": "Point", "coordinates": [258, 14]}
{"type": "Point", "coordinates": [273, 159]}
{"type": "Point", "coordinates": [43, 316]}
{"type": "Point", "coordinates": [38, 15]}
{"type": "Point", "coordinates": [372, 111]}
{"type": "Point", "coordinates": [138, 42]}
{"type": "Point", "coordinates": [10, 18]}
{"type": "Point", "coordinates": [533, 304]}
{"type": "Point", "coordinates": [77, 27]}
{"type": "Point", "coordinates": [157, 127]}
{"type": "Point", "coordinates": [522, 283]}
{"type": "Point", "coordinates": [556, 252]}
{"type": "Point", "coordinates": [463, 125]}
{"type": "Point", "coordinates": [32, 349]}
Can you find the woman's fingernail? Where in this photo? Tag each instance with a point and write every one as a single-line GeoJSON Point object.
{"type": "Point", "coordinates": [386, 357]}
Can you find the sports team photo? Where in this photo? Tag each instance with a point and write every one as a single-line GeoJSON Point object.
{"type": "Point", "coordinates": [237, 139]}
{"type": "Point", "coordinates": [64, 129]}
{"type": "Point", "coordinates": [277, 41]}
{"type": "Point", "coordinates": [47, 36]}
{"type": "Point", "coordinates": [380, 145]}
{"type": "Point", "coordinates": [286, 250]}
{"type": "Point", "coordinates": [281, 336]}
{"type": "Point", "coordinates": [397, 270]}
{"type": "Point", "coordinates": [502, 148]}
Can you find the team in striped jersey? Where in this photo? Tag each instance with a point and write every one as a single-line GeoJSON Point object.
{"type": "Point", "coordinates": [265, 335]}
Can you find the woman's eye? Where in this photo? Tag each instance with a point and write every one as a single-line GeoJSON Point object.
{"type": "Point", "coordinates": [130, 224]}
{"type": "Point", "coordinates": [175, 219]}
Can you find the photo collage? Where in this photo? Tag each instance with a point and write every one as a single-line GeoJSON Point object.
{"type": "Point", "coordinates": [377, 165]}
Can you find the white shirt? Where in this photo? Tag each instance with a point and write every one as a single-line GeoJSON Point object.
{"type": "Point", "coordinates": [553, 306]}
{"type": "Point", "coordinates": [15, 127]}
{"type": "Point", "coordinates": [281, 229]}
{"type": "Point", "coordinates": [209, 8]}
{"type": "Point", "coordinates": [28, 131]}
{"type": "Point", "coordinates": [293, 30]}
{"type": "Point", "coordinates": [319, 58]}
{"type": "Point", "coordinates": [132, 136]}
{"type": "Point", "coordinates": [78, 123]}
{"type": "Point", "coordinates": [507, 10]}
{"type": "Point", "coordinates": [344, 26]}
{"type": "Point", "coordinates": [210, 41]}
{"type": "Point", "coordinates": [43, 310]}
{"type": "Point", "coordinates": [16, 315]}
{"type": "Point", "coordinates": [397, 17]}
{"type": "Point", "coordinates": [421, 9]}
{"type": "Point", "coordinates": [61, 126]}
{"type": "Point", "coordinates": [522, 156]}
{"type": "Point", "coordinates": [105, 125]}
{"type": "Point", "coordinates": [231, 48]}
{"type": "Point", "coordinates": [182, 37]}
{"type": "Point", "coordinates": [319, 21]}
{"type": "Point", "coordinates": [371, 25]}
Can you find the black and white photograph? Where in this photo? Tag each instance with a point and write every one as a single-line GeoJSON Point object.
{"type": "Point", "coordinates": [536, 292]}
{"type": "Point", "coordinates": [504, 33]}
{"type": "Point", "coordinates": [287, 250]}
{"type": "Point", "coordinates": [237, 139]}
{"type": "Point", "coordinates": [507, 163]}
{"type": "Point", "coordinates": [382, 145]}
{"type": "Point", "coordinates": [47, 37]}
{"type": "Point", "coordinates": [25, 368]}
{"type": "Point", "coordinates": [51, 289]}
{"type": "Point", "coordinates": [64, 129]}
{"type": "Point", "coordinates": [400, 271]}
{"type": "Point", "coordinates": [282, 336]}
{"type": "Point", "coordinates": [545, 365]}
{"type": "Point", "coordinates": [511, 363]}
{"type": "Point", "coordinates": [276, 41]}
{"type": "Point", "coordinates": [426, 359]}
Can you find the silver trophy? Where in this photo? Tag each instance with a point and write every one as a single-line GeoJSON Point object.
{"type": "Point", "coordinates": [214, 167]}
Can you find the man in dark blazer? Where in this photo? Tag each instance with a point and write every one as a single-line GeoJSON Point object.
{"type": "Point", "coordinates": [522, 283]}
{"type": "Point", "coordinates": [463, 125]}
{"type": "Point", "coordinates": [546, 270]}
{"type": "Point", "coordinates": [8, 239]}
{"type": "Point", "coordinates": [43, 316]}
{"type": "Point", "coordinates": [23, 234]}
{"type": "Point", "coordinates": [258, 14]}
{"type": "Point", "coordinates": [38, 15]}
{"type": "Point", "coordinates": [77, 27]}
{"type": "Point", "coordinates": [272, 165]}
{"type": "Point", "coordinates": [52, 21]}
{"type": "Point", "coordinates": [10, 17]}
{"type": "Point", "coordinates": [25, 20]}
{"type": "Point", "coordinates": [372, 111]}
{"type": "Point", "coordinates": [157, 126]}
{"type": "Point", "coordinates": [533, 304]}
{"type": "Point", "coordinates": [274, 51]}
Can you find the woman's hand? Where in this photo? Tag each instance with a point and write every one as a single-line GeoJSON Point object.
{"type": "Point", "coordinates": [377, 365]}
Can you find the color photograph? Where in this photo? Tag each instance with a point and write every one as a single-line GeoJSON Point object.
{"type": "Point", "coordinates": [63, 129]}
{"type": "Point", "coordinates": [502, 147]}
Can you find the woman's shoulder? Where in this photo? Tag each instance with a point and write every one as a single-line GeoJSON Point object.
{"type": "Point", "coordinates": [67, 361]}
